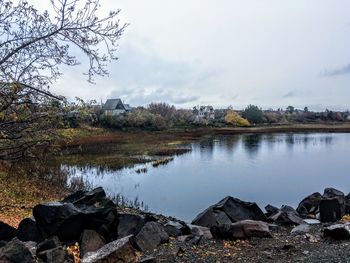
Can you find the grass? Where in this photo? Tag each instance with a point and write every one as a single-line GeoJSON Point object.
{"type": "Point", "coordinates": [19, 193]}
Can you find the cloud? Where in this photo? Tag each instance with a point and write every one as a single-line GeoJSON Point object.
{"type": "Point", "coordinates": [142, 76]}
{"type": "Point", "coordinates": [337, 72]}
{"type": "Point", "coordinates": [289, 94]}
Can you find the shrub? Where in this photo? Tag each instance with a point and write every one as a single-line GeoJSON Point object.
{"type": "Point", "coordinates": [253, 114]}
{"type": "Point", "coordinates": [233, 118]}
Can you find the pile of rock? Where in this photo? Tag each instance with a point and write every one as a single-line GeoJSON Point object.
{"type": "Point", "coordinates": [104, 235]}
{"type": "Point", "coordinates": [329, 207]}
{"type": "Point", "coordinates": [92, 220]}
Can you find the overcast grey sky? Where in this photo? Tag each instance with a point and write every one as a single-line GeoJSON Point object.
{"type": "Point", "coordinates": [271, 53]}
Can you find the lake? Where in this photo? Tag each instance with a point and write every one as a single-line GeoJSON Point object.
{"type": "Point", "coordinates": [272, 169]}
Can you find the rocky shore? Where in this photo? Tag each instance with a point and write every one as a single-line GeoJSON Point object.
{"type": "Point", "coordinates": [87, 227]}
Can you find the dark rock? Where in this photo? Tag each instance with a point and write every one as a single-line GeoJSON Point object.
{"type": "Point", "coordinates": [289, 209]}
{"type": "Point", "coordinates": [227, 211]}
{"type": "Point", "coordinates": [271, 210]}
{"type": "Point", "coordinates": [67, 220]}
{"type": "Point", "coordinates": [242, 229]}
{"type": "Point", "coordinates": [54, 255]}
{"type": "Point", "coordinates": [119, 251]}
{"type": "Point", "coordinates": [286, 218]}
{"type": "Point", "coordinates": [90, 241]}
{"type": "Point", "coordinates": [176, 229]}
{"type": "Point", "coordinates": [129, 224]}
{"type": "Point", "coordinates": [150, 236]}
{"type": "Point", "coordinates": [338, 231]}
{"type": "Point", "coordinates": [28, 231]}
{"type": "Point", "coordinates": [47, 244]}
{"type": "Point", "coordinates": [301, 229]}
{"type": "Point", "coordinates": [334, 193]}
{"type": "Point", "coordinates": [62, 219]}
{"type": "Point", "coordinates": [16, 251]}
{"type": "Point", "coordinates": [7, 232]}
{"type": "Point", "coordinates": [331, 210]}
{"type": "Point", "coordinates": [308, 204]}
{"type": "Point", "coordinates": [200, 231]}
{"type": "Point", "coordinates": [195, 240]}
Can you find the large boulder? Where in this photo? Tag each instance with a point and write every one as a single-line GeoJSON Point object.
{"type": "Point", "coordinates": [119, 251]}
{"type": "Point", "coordinates": [90, 241]}
{"type": "Point", "coordinates": [150, 236]}
{"type": "Point", "coordinates": [200, 231]}
{"type": "Point", "coordinates": [28, 231]}
{"type": "Point", "coordinates": [227, 211]}
{"type": "Point", "coordinates": [309, 205]}
{"type": "Point", "coordinates": [271, 210]}
{"type": "Point", "coordinates": [7, 232]}
{"type": "Point", "coordinates": [241, 230]}
{"type": "Point", "coordinates": [331, 210]}
{"type": "Point", "coordinates": [286, 218]}
{"type": "Point", "coordinates": [16, 251]}
{"type": "Point", "coordinates": [338, 231]}
{"type": "Point", "coordinates": [86, 210]}
{"type": "Point", "coordinates": [175, 229]}
{"type": "Point", "coordinates": [129, 224]}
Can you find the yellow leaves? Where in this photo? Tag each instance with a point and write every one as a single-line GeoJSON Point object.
{"type": "Point", "coordinates": [74, 252]}
{"type": "Point", "coordinates": [2, 116]}
{"type": "Point", "coordinates": [345, 218]}
{"type": "Point", "coordinates": [235, 119]}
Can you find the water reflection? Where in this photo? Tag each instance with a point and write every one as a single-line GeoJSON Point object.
{"type": "Point", "coordinates": [274, 168]}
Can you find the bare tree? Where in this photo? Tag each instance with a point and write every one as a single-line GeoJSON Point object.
{"type": "Point", "coordinates": [33, 47]}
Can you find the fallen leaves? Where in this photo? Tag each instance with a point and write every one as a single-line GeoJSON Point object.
{"type": "Point", "coordinates": [74, 252]}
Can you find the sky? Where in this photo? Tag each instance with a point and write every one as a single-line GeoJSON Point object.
{"type": "Point", "coordinates": [270, 53]}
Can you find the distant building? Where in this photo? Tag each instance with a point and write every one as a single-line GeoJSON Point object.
{"type": "Point", "coordinates": [204, 112]}
{"type": "Point", "coordinates": [114, 107]}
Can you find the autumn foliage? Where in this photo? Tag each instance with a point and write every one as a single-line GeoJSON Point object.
{"type": "Point", "coordinates": [233, 118]}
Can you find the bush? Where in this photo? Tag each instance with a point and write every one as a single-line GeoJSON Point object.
{"type": "Point", "coordinates": [233, 118]}
{"type": "Point", "coordinates": [253, 114]}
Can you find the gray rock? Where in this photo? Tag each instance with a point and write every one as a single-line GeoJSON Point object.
{"type": "Point", "coordinates": [49, 243]}
{"type": "Point", "coordinates": [176, 229]}
{"type": "Point", "coordinates": [241, 230]}
{"type": "Point", "coordinates": [149, 259]}
{"type": "Point", "coordinates": [119, 251]}
{"type": "Point", "coordinates": [150, 236]}
{"type": "Point", "coordinates": [229, 210]}
{"type": "Point", "coordinates": [312, 221]}
{"type": "Point", "coordinates": [54, 255]}
{"type": "Point", "coordinates": [338, 231]}
{"type": "Point", "coordinates": [90, 241]}
{"type": "Point", "coordinates": [129, 224]}
{"type": "Point", "coordinates": [301, 229]}
{"type": "Point", "coordinates": [201, 231]}
{"type": "Point", "coordinates": [271, 210]}
{"type": "Point", "coordinates": [286, 218]}
{"type": "Point", "coordinates": [16, 251]}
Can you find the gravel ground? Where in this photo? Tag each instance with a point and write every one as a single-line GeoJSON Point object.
{"type": "Point", "coordinates": [283, 247]}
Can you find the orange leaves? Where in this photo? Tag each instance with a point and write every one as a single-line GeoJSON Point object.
{"type": "Point", "coordinates": [74, 252]}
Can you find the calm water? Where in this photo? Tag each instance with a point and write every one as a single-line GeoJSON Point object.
{"type": "Point", "coordinates": [276, 169]}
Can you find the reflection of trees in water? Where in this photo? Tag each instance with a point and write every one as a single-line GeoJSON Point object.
{"type": "Point", "coordinates": [229, 143]}
{"type": "Point", "coordinates": [252, 143]}
{"type": "Point", "coordinates": [206, 147]}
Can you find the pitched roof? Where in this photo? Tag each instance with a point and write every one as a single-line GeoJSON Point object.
{"type": "Point", "coordinates": [127, 107]}
{"type": "Point", "coordinates": [112, 104]}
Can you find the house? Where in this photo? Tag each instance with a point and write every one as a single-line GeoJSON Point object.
{"type": "Point", "coordinates": [114, 107]}
{"type": "Point", "coordinates": [204, 112]}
